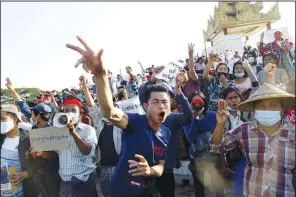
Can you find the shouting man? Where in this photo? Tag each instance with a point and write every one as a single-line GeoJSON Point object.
{"type": "Point", "coordinates": [144, 138]}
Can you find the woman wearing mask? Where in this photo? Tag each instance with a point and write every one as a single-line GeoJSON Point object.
{"type": "Point", "coordinates": [252, 59]}
{"type": "Point", "coordinates": [16, 160]}
{"type": "Point", "coordinates": [198, 133]}
{"type": "Point", "coordinates": [290, 88]}
{"type": "Point", "coordinates": [280, 76]}
{"type": "Point", "coordinates": [244, 78]}
{"type": "Point", "coordinates": [217, 83]}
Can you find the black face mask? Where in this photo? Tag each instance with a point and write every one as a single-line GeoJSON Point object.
{"type": "Point", "coordinates": [150, 73]}
{"type": "Point", "coordinates": [225, 74]}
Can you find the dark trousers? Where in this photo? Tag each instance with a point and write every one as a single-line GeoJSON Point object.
{"type": "Point", "coordinates": [166, 184]}
{"type": "Point", "coordinates": [49, 185]}
{"type": "Point", "coordinates": [78, 188]}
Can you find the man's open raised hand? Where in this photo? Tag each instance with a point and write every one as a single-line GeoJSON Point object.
{"type": "Point", "coordinates": [92, 62]}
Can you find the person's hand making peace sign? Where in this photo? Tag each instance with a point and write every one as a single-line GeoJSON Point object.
{"type": "Point", "coordinates": [91, 62]}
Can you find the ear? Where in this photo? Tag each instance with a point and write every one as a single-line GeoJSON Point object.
{"type": "Point", "coordinates": [16, 121]}
{"type": "Point", "coordinates": [145, 105]}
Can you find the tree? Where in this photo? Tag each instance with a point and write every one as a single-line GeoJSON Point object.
{"type": "Point", "coordinates": [27, 94]}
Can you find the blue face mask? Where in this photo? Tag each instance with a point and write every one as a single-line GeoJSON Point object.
{"type": "Point", "coordinates": [251, 60]}
{"type": "Point", "coordinates": [239, 75]}
{"type": "Point", "coordinates": [33, 122]}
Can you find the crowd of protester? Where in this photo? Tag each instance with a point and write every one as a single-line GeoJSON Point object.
{"type": "Point", "coordinates": [231, 116]}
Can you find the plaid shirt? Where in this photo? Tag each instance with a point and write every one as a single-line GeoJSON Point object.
{"type": "Point", "coordinates": [72, 161]}
{"type": "Point", "coordinates": [274, 48]}
{"type": "Point", "coordinates": [271, 159]}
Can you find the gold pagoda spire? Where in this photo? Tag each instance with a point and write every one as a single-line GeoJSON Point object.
{"type": "Point", "coordinates": [234, 13]}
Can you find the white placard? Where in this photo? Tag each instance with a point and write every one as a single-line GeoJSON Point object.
{"type": "Point", "coordinates": [131, 105]}
{"type": "Point", "coordinates": [49, 139]}
{"type": "Point", "coordinates": [169, 73]}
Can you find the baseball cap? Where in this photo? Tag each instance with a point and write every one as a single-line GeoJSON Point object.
{"type": "Point", "coordinates": [12, 109]}
{"type": "Point", "coordinates": [169, 88]}
{"type": "Point", "coordinates": [42, 109]}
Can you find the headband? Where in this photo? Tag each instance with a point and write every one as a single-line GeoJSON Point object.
{"type": "Point", "coordinates": [72, 102]}
{"type": "Point", "coordinates": [197, 101]}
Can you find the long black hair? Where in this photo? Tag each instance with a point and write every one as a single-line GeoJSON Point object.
{"type": "Point", "coordinates": [234, 65]}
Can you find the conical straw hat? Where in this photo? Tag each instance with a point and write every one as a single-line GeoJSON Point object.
{"type": "Point", "coordinates": [267, 91]}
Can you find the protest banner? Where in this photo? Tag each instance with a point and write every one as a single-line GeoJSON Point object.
{"type": "Point", "coordinates": [169, 73]}
{"type": "Point", "coordinates": [48, 139]}
{"type": "Point", "coordinates": [131, 105]}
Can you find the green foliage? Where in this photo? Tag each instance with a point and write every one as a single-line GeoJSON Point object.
{"type": "Point", "coordinates": [27, 94]}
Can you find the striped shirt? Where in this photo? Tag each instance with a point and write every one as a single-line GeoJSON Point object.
{"type": "Point", "coordinates": [271, 159]}
{"type": "Point", "coordinates": [72, 161]}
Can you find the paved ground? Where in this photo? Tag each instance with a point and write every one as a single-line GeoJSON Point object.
{"type": "Point", "coordinates": [179, 189]}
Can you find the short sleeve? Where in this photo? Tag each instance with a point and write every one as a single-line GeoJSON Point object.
{"type": "Point", "coordinates": [91, 138]}
{"type": "Point", "coordinates": [24, 107]}
{"type": "Point", "coordinates": [134, 120]}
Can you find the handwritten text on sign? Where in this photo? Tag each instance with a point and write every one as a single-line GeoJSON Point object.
{"type": "Point", "coordinates": [48, 139]}
{"type": "Point", "coordinates": [169, 73]}
{"type": "Point", "coordinates": [131, 105]}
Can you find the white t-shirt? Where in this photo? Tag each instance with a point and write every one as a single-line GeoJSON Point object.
{"type": "Point", "coordinates": [11, 143]}
{"type": "Point", "coordinates": [235, 122]}
{"type": "Point", "coordinates": [244, 86]}
{"type": "Point", "coordinates": [199, 66]}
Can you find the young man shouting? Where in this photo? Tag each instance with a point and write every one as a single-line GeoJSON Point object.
{"type": "Point", "coordinates": [144, 138]}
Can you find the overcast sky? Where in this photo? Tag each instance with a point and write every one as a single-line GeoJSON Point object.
{"type": "Point", "coordinates": [34, 34]}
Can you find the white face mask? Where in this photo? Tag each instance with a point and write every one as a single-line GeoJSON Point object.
{"type": "Point", "coordinates": [6, 126]}
{"type": "Point", "coordinates": [74, 117]}
{"type": "Point", "coordinates": [268, 118]}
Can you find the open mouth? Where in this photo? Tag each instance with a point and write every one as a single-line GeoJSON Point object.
{"type": "Point", "coordinates": [161, 115]}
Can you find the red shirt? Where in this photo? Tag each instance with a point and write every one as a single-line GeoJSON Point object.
{"type": "Point", "coordinates": [290, 116]}
{"type": "Point", "coordinates": [148, 77]}
{"type": "Point", "coordinates": [131, 77]}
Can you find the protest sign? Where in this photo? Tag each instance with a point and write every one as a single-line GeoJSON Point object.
{"type": "Point", "coordinates": [48, 139]}
{"type": "Point", "coordinates": [131, 105]}
{"type": "Point", "coordinates": [169, 73]}
{"type": "Point", "coordinates": [5, 183]}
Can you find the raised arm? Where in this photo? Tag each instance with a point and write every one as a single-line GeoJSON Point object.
{"type": "Point", "coordinates": [88, 98]}
{"type": "Point", "coordinates": [250, 73]}
{"type": "Point", "coordinates": [18, 100]}
{"type": "Point", "coordinates": [54, 102]}
{"type": "Point", "coordinates": [185, 117]}
{"type": "Point", "coordinates": [270, 75]}
{"type": "Point", "coordinates": [206, 73]}
{"type": "Point", "coordinates": [93, 64]}
{"type": "Point", "coordinates": [192, 74]}
{"type": "Point", "coordinates": [16, 97]}
{"type": "Point", "coordinates": [143, 70]}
